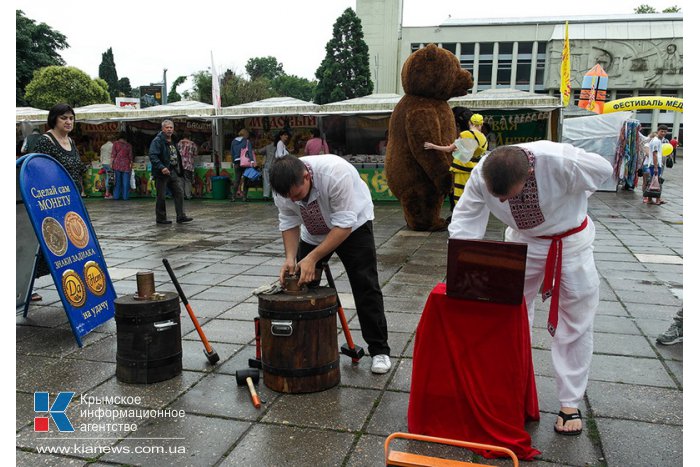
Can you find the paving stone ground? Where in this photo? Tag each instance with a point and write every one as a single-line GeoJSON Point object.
{"type": "Point", "coordinates": [633, 406]}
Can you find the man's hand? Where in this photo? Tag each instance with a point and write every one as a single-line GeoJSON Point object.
{"type": "Point", "coordinates": [288, 268]}
{"type": "Point", "coordinates": [165, 171]}
{"type": "Point", "coordinates": [307, 270]}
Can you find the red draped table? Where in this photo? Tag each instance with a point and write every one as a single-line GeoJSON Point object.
{"type": "Point", "coordinates": [473, 378]}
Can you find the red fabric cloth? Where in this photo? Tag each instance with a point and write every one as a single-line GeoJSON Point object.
{"type": "Point", "coordinates": [473, 378]}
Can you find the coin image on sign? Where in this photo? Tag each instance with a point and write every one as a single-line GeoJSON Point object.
{"type": "Point", "coordinates": [95, 279]}
{"type": "Point", "coordinates": [54, 236]}
{"type": "Point", "coordinates": [76, 229]}
{"type": "Point", "coordinates": [73, 288]}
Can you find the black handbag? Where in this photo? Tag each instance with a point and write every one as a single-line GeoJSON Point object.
{"type": "Point", "coordinates": [669, 162]}
{"type": "Point", "coordinates": [640, 172]}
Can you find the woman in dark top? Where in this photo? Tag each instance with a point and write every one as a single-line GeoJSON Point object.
{"type": "Point", "coordinates": [57, 144]}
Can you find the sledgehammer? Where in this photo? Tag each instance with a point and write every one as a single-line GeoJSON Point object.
{"type": "Point", "coordinates": [212, 356]}
{"type": "Point", "coordinates": [349, 348]}
{"type": "Point", "coordinates": [249, 377]}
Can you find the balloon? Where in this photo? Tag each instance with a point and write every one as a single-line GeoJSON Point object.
{"type": "Point", "coordinates": [666, 149]}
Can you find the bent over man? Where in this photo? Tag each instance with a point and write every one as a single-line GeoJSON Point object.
{"type": "Point", "coordinates": [540, 191]}
{"type": "Point", "coordinates": [325, 207]}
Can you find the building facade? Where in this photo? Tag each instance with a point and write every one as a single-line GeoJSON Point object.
{"type": "Point", "coordinates": [641, 53]}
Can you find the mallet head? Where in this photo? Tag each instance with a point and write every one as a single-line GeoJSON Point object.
{"type": "Point", "coordinates": [242, 375]}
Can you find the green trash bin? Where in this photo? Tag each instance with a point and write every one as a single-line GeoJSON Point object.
{"type": "Point", "coordinates": [220, 187]}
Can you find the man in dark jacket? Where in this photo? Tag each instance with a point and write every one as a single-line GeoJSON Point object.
{"type": "Point", "coordinates": [166, 168]}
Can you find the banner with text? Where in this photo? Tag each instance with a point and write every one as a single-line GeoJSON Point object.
{"type": "Point", "coordinates": [68, 242]}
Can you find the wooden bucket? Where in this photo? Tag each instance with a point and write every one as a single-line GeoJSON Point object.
{"type": "Point", "coordinates": [299, 340]}
{"type": "Point", "coordinates": [149, 342]}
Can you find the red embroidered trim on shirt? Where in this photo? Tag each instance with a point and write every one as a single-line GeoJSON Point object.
{"type": "Point", "coordinates": [525, 208]}
{"type": "Point", "coordinates": [311, 214]}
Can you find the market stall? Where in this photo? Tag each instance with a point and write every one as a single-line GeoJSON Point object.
{"type": "Point", "coordinates": [355, 129]}
{"type": "Point", "coordinates": [263, 119]}
{"type": "Point", "coordinates": [98, 123]}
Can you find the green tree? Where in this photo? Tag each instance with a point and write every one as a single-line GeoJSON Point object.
{"type": "Point", "coordinates": [344, 73]}
{"type": "Point", "coordinates": [108, 72]}
{"type": "Point", "coordinates": [201, 87]}
{"type": "Point", "coordinates": [55, 84]}
{"type": "Point", "coordinates": [267, 67]}
{"type": "Point", "coordinates": [644, 8]}
{"type": "Point", "coordinates": [294, 86]}
{"type": "Point", "coordinates": [124, 87]}
{"type": "Point", "coordinates": [173, 95]}
{"type": "Point", "coordinates": [37, 47]}
{"type": "Point", "coordinates": [236, 90]}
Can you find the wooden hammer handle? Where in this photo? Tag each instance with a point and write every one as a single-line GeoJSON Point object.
{"type": "Point", "coordinates": [253, 393]}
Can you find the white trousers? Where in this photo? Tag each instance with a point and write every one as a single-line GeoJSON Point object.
{"type": "Point", "coordinates": [572, 344]}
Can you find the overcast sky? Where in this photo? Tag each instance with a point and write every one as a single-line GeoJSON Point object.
{"type": "Point", "coordinates": [145, 38]}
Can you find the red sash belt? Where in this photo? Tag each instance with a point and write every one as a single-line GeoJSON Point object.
{"type": "Point", "coordinates": [552, 273]}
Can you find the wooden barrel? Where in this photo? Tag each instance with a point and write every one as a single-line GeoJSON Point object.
{"type": "Point", "coordinates": [149, 343]}
{"type": "Point", "coordinates": [299, 340]}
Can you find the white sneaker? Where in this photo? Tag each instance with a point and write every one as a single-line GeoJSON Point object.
{"type": "Point", "coordinates": [381, 364]}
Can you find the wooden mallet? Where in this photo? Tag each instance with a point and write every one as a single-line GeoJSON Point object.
{"type": "Point", "coordinates": [251, 378]}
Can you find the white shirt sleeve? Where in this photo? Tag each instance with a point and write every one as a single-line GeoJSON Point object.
{"type": "Point", "coordinates": [586, 171]}
{"type": "Point", "coordinates": [281, 149]}
{"type": "Point", "coordinates": [470, 215]}
{"type": "Point", "coordinates": [340, 193]}
{"type": "Point", "coordinates": [289, 216]}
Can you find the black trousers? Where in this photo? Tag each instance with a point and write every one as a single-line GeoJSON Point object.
{"type": "Point", "coordinates": [174, 182]}
{"type": "Point", "coordinates": [359, 257]}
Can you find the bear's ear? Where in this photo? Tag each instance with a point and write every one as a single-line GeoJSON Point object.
{"type": "Point", "coordinates": [431, 52]}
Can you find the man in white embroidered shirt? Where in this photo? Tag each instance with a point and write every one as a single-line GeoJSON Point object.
{"type": "Point", "coordinates": [540, 191]}
{"type": "Point", "coordinates": [325, 207]}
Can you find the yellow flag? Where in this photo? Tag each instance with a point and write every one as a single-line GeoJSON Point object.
{"type": "Point", "coordinates": [565, 87]}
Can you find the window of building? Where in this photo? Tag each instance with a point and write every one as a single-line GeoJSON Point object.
{"type": "Point", "coordinates": [415, 47]}
{"type": "Point", "coordinates": [485, 63]}
{"type": "Point", "coordinates": [485, 73]}
{"type": "Point", "coordinates": [466, 58]}
{"type": "Point", "coordinates": [539, 68]}
{"type": "Point", "coordinates": [524, 48]}
{"type": "Point", "coordinates": [451, 46]}
{"type": "Point", "coordinates": [505, 64]}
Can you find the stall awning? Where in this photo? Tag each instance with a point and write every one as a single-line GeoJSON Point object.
{"type": "Point", "coordinates": [30, 114]}
{"type": "Point", "coordinates": [506, 99]}
{"type": "Point", "coordinates": [274, 106]}
{"type": "Point", "coordinates": [372, 104]}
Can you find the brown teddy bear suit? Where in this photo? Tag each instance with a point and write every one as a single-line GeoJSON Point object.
{"type": "Point", "coordinates": [418, 177]}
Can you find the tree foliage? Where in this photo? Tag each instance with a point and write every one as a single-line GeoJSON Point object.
{"type": "Point", "coordinates": [65, 84]}
{"type": "Point", "coordinates": [267, 67]}
{"type": "Point", "coordinates": [124, 88]}
{"type": "Point", "coordinates": [108, 72]}
{"type": "Point", "coordinates": [201, 87]}
{"type": "Point", "coordinates": [173, 95]}
{"type": "Point", "coordinates": [37, 47]}
{"type": "Point", "coordinates": [344, 73]}
{"type": "Point", "coordinates": [294, 86]}
{"type": "Point", "coordinates": [645, 8]}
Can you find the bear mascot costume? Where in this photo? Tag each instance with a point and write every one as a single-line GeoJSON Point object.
{"type": "Point", "coordinates": [421, 178]}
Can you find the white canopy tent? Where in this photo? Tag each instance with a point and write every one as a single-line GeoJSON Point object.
{"type": "Point", "coordinates": [372, 104]}
{"type": "Point", "coordinates": [274, 106]}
